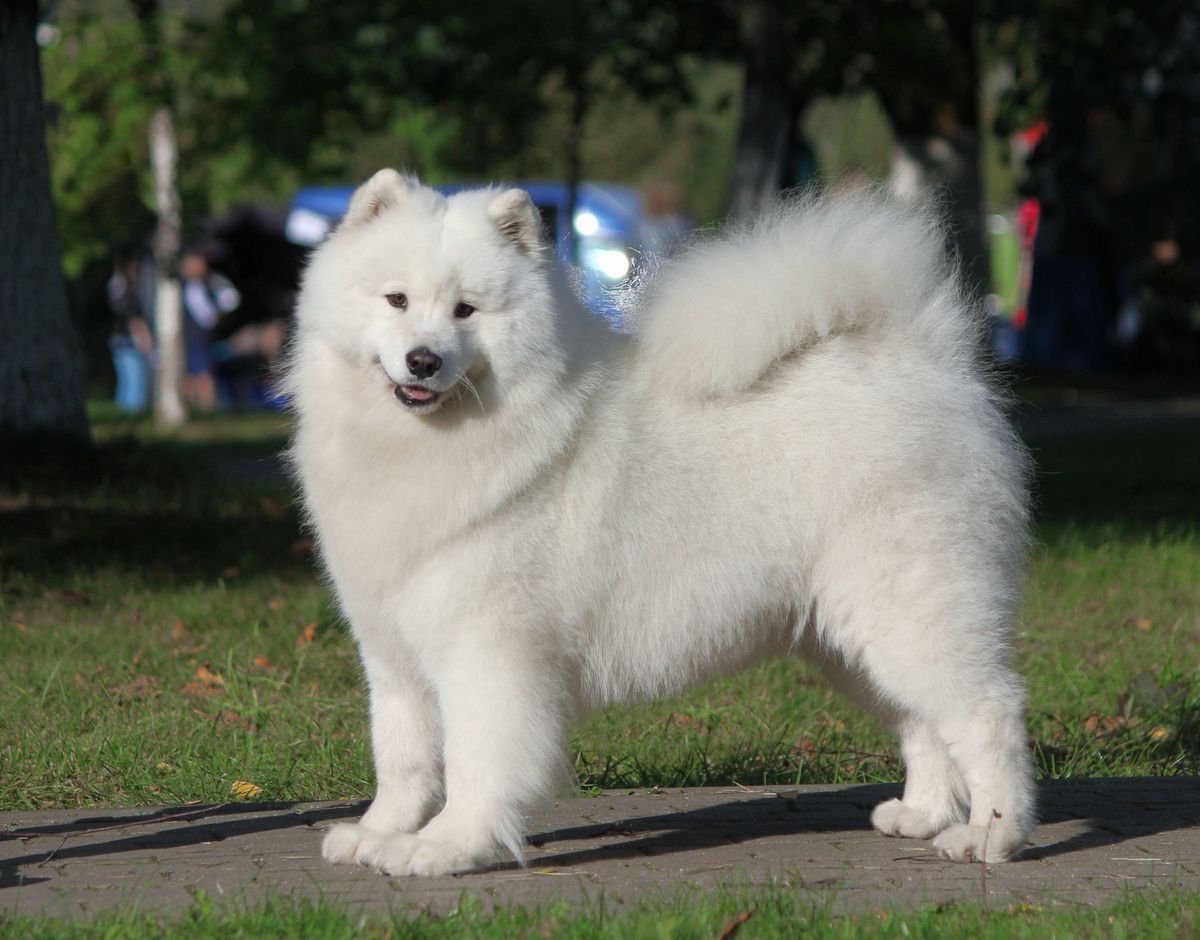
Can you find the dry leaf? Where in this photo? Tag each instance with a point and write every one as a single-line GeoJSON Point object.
{"type": "Point", "coordinates": [163, 766]}
{"type": "Point", "coordinates": [1100, 725]}
{"type": "Point", "coordinates": [1145, 623]}
{"type": "Point", "coordinates": [275, 603]}
{"type": "Point", "coordinates": [735, 925]}
{"type": "Point", "coordinates": [205, 674]}
{"type": "Point", "coordinates": [307, 635]}
{"type": "Point", "coordinates": [1158, 733]}
{"type": "Point", "coordinates": [261, 662]}
{"type": "Point", "coordinates": [179, 631]}
{"type": "Point", "coordinates": [21, 628]}
{"type": "Point", "coordinates": [137, 688]}
{"type": "Point", "coordinates": [245, 790]}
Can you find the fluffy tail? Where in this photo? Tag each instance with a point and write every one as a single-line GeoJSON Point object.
{"type": "Point", "coordinates": [717, 317]}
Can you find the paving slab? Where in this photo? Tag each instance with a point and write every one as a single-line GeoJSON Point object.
{"type": "Point", "coordinates": [1098, 839]}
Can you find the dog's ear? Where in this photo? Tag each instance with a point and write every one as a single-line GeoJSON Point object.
{"type": "Point", "coordinates": [384, 190]}
{"type": "Point", "coordinates": [517, 219]}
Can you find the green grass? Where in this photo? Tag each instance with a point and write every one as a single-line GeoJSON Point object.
{"type": "Point", "coordinates": [163, 635]}
{"type": "Point", "coordinates": [763, 913]}
{"type": "Point", "coordinates": [129, 578]}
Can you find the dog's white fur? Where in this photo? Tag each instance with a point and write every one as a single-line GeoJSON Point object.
{"type": "Point", "coordinates": [794, 452]}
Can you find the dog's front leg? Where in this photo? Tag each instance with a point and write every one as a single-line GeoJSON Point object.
{"type": "Point", "coordinates": [407, 745]}
{"type": "Point", "coordinates": [503, 715]}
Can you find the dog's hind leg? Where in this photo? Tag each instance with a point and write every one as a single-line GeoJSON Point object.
{"type": "Point", "coordinates": [965, 736]}
{"type": "Point", "coordinates": [935, 794]}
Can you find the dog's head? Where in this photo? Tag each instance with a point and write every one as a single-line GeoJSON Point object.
{"type": "Point", "coordinates": [434, 294]}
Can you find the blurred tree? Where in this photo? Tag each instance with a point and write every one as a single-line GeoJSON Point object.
{"type": "Point", "coordinates": [1118, 165]}
{"type": "Point", "coordinates": [920, 57]}
{"type": "Point", "coordinates": [170, 411]}
{"type": "Point", "coordinates": [41, 392]}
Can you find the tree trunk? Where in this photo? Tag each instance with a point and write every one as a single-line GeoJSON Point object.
{"type": "Point", "coordinates": [768, 114]}
{"type": "Point", "coordinates": [169, 408]}
{"type": "Point", "coordinates": [41, 383]}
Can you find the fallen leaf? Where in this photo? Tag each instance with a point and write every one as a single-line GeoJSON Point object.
{"type": "Point", "coordinates": [275, 603]}
{"type": "Point", "coordinates": [137, 688]}
{"type": "Point", "coordinates": [205, 674]}
{"type": "Point", "coordinates": [179, 631]}
{"type": "Point", "coordinates": [21, 628]}
{"type": "Point", "coordinates": [231, 719]}
{"type": "Point", "coordinates": [307, 635]}
{"type": "Point", "coordinates": [1100, 725]}
{"type": "Point", "coordinates": [1145, 623]}
{"type": "Point", "coordinates": [261, 662]}
{"type": "Point", "coordinates": [200, 688]}
{"type": "Point", "coordinates": [163, 766]}
{"type": "Point", "coordinates": [245, 790]}
{"type": "Point", "coordinates": [80, 681]}
{"type": "Point", "coordinates": [1158, 733]}
{"type": "Point", "coordinates": [735, 925]}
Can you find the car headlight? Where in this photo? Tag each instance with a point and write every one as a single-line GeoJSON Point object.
{"type": "Point", "coordinates": [610, 263]}
{"type": "Point", "coordinates": [305, 227]}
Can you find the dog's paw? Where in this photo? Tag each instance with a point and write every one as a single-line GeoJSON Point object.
{"type": "Point", "coordinates": [347, 842]}
{"type": "Point", "coordinates": [414, 855]}
{"type": "Point", "coordinates": [897, 818]}
{"type": "Point", "coordinates": [966, 843]}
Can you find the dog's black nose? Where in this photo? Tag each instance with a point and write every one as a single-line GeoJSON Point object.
{"type": "Point", "coordinates": [423, 362]}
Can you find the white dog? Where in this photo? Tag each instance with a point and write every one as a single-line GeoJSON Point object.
{"type": "Point", "coordinates": [527, 516]}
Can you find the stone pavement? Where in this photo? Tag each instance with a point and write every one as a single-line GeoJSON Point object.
{"type": "Point", "coordinates": [1098, 838]}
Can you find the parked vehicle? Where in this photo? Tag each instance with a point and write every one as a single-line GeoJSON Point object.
{"type": "Point", "coordinates": [599, 240]}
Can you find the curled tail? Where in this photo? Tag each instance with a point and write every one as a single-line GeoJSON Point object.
{"type": "Point", "coordinates": [717, 317]}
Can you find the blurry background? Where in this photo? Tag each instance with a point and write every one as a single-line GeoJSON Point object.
{"type": "Point", "coordinates": [1062, 139]}
{"type": "Point", "coordinates": [159, 189]}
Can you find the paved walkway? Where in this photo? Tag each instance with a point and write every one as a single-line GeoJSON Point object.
{"type": "Point", "coordinates": [1098, 838]}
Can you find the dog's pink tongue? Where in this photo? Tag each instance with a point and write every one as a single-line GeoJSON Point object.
{"type": "Point", "coordinates": [416, 393]}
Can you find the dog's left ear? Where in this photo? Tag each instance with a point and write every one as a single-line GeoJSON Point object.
{"type": "Point", "coordinates": [517, 219]}
{"type": "Point", "coordinates": [385, 189]}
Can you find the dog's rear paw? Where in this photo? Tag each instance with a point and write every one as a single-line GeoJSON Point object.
{"type": "Point", "coordinates": [965, 843]}
{"type": "Point", "coordinates": [413, 855]}
{"type": "Point", "coordinates": [348, 842]}
{"type": "Point", "coordinates": [897, 818]}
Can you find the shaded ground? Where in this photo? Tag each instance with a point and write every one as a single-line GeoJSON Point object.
{"type": "Point", "coordinates": [1098, 839]}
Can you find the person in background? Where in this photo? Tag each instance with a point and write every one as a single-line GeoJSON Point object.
{"type": "Point", "coordinates": [132, 340]}
{"type": "Point", "coordinates": [207, 296]}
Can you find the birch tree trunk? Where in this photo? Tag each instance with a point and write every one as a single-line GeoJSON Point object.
{"type": "Point", "coordinates": [169, 408]}
{"type": "Point", "coordinates": [41, 382]}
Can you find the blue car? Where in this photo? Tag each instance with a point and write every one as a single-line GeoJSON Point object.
{"type": "Point", "coordinates": [606, 216]}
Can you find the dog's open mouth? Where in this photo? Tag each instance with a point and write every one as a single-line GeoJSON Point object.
{"type": "Point", "coordinates": [416, 396]}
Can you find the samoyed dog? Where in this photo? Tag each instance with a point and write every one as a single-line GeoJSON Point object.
{"type": "Point", "coordinates": [526, 515]}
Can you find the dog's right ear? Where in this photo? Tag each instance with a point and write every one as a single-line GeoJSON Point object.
{"type": "Point", "coordinates": [384, 190]}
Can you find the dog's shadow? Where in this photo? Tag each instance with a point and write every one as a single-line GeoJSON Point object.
{"type": "Point", "coordinates": [1114, 811]}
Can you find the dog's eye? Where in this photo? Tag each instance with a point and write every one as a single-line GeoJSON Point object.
{"type": "Point", "coordinates": [399, 301]}
{"type": "Point", "coordinates": [463, 310]}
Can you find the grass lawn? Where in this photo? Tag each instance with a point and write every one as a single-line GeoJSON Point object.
{"type": "Point", "coordinates": [750, 915]}
{"type": "Point", "coordinates": [164, 638]}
